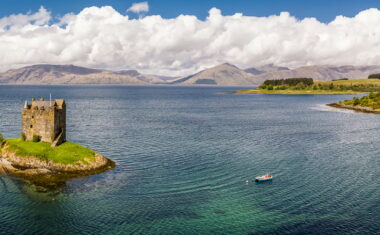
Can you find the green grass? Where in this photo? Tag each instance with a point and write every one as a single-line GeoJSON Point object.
{"type": "Point", "coordinates": [371, 101]}
{"type": "Point", "coordinates": [352, 81]}
{"type": "Point", "coordinates": [66, 153]}
{"type": "Point", "coordinates": [297, 92]}
{"type": "Point", "coordinates": [339, 87]}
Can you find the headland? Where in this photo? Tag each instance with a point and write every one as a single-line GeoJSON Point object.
{"type": "Point", "coordinates": [364, 104]}
{"type": "Point", "coordinates": [307, 86]}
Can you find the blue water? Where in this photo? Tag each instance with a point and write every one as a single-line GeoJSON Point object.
{"type": "Point", "coordinates": [183, 155]}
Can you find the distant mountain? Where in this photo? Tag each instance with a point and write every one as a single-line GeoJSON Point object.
{"type": "Point", "coordinates": [224, 74]}
{"type": "Point", "coordinates": [165, 78]}
{"type": "Point", "coordinates": [228, 74]}
{"type": "Point", "coordinates": [317, 72]}
{"type": "Point", "coordinates": [265, 69]}
{"type": "Point", "coordinates": [70, 74]}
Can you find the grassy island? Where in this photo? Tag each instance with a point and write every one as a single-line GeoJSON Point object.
{"type": "Point", "coordinates": [43, 164]}
{"type": "Point", "coordinates": [306, 86]}
{"type": "Point", "coordinates": [66, 153]}
{"type": "Point", "coordinates": [41, 154]}
{"type": "Point", "coordinates": [367, 104]}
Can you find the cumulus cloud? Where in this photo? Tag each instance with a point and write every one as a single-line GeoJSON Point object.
{"type": "Point", "coordinates": [101, 37]}
{"type": "Point", "coordinates": [139, 7]}
{"type": "Point", "coordinates": [39, 18]}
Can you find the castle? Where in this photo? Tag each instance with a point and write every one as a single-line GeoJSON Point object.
{"type": "Point", "coordinates": [45, 120]}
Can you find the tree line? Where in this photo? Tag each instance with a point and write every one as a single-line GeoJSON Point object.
{"type": "Point", "coordinates": [376, 76]}
{"type": "Point", "coordinates": [289, 82]}
{"type": "Point", "coordinates": [309, 84]}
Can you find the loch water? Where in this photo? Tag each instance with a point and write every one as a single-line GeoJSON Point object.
{"type": "Point", "coordinates": [183, 155]}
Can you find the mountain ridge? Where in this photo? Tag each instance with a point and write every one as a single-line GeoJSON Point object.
{"type": "Point", "coordinates": [225, 74]}
{"type": "Point", "coordinates": [71, 74]}
{"type": "Point", "coordinates": [322, 72]}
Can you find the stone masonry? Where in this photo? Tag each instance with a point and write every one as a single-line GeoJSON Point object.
{"type": "Point", "coordinates": [46, 119]}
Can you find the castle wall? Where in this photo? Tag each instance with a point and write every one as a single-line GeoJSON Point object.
{"type": "Point", "coordinates": [60, 122]}
{"type": "Point", "coordinates": [46, 122]}
{"type": "Point", "coordinates": [38, 122]}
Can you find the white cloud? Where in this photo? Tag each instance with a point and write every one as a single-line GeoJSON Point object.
{"type": "Point", "coordinates": [15, 21]}
{"type": "Point", "coordinates": [139, 7]}
{"type": "Point", "coordinates": [103, 38]}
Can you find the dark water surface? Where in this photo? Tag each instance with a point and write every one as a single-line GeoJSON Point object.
{"type": "Point", "coordinates": [183, 155]}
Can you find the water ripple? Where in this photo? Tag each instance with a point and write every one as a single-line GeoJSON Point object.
{"type": "Point", "coordinates": [184, 154]}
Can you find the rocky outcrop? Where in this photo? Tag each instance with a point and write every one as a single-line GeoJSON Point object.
{"type": "Point", "coordinates": [356, 108]}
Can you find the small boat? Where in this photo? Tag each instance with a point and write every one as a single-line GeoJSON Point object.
{"type": "Point", "coordinates": [263, 178]}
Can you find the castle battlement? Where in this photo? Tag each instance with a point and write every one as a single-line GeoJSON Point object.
{"type": "Point", "coordinates": [45, 105]}
{"type": "Point", "coordinates": [46, 119]}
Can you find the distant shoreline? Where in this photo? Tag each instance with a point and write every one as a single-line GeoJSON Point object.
{"type": "Point", "coordinates": [307, 86]}
{"type": "Point", "coordinates": [357, 108]}
{"type": "Point", "coordinates": [25, 85]}
{"type": "Point", "coordinates": [296, 92]}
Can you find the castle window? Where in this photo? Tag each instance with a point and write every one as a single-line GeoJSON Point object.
{"type": "Point", "coordinates": [32, 116]}
{"type": "Point", "coordinates": [31, 126]}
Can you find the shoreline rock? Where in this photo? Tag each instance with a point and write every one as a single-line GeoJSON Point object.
{"type": "Point", "coordinates": [357, 108]}
{"type": "Point", "coordinates": [45, 172]}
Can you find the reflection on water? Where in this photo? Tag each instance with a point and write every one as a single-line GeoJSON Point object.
{"type": "Point", "coordinates": [183, 155]}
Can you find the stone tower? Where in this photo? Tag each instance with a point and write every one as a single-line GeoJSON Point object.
{"type": "Point", "coordinates": [46, 119]}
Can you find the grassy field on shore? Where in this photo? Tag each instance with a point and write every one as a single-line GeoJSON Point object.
{"type": "Point", "coordinates": [296, 92]}
{"type": "Point", "coordinates": [66, 153]}
{"type": "Point", "coordinates": [338, 87]}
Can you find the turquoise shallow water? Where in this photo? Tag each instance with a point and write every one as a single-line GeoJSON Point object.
{"type": "Point", "coordinates": [183, 155]}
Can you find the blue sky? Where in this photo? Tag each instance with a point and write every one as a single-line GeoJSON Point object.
{"type": "Point", "coordinates": [101, 37]}
{"type": "Point", "coordinates": [324, 10]}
